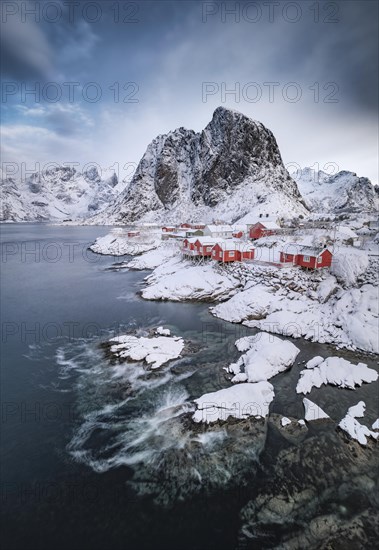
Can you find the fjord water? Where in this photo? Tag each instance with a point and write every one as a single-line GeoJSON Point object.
{"type": "Point", "coordinates": [92, 453]}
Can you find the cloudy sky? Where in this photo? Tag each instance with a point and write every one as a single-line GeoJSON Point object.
{"type": "Point", "coordinates": [91, 82]}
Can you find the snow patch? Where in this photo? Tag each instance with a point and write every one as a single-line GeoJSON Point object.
{"type": "Point", "coordinates": [336, 371]}
{"type": "Point", "coordinates": [239, 401]}
{"type": "Point", "coordinates": [267, 356]}
{"type": "Point", "coordinates": [155, 351]}
{"type": "Point", "coordinates": [313, 411]}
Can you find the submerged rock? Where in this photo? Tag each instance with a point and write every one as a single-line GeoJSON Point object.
{"type": "Point", "coordinates": [300, 507]}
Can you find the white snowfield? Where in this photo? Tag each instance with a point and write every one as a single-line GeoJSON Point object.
{"type": "Point", "coordinates": [336, 371]}
{"type": "Point", "coordinates": [313, 411]}
{"type": "Point", "coordinates": [155, 351]}
{"type": "Point", "coordinates": [267, 355]}
{"type": "Point", "coordinates": [116, 243]}
{"type": "Point", "coordinates": [355, 429]}
{"type": "Point", "coordinates": [239, 401]}
{"type": "Point", "coordinates": [349, 318]}
{"type": "Point", "coordinates": [179, 280]}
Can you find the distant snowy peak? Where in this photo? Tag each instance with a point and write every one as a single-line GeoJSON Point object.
{"type": "Point", "coordinates": [57, 194]}
{"type": "Point", "coordinates": [231, 168]}
{"type": "Point", "coordinates": [341, 192]}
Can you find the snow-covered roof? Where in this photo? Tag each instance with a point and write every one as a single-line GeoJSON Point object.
{"type": "Point", "coordinates": [309, 251]}
{"type": "Point", "coordinates": [208, 240]}
{"type": "Point", "coordinates": [345, 230]}
{"type": "Point", "coordinates": [235, 245]}
{"type": "Point", "coordinates": [220, 228]}
{"type": "Point", "coordinates": [269, 224]}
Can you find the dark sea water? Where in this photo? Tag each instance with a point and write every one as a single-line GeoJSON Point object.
{"type": "Point", "coordinates": [90, 459]}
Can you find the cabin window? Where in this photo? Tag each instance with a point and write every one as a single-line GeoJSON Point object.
{"type": "Point", "coordinates": [307, 259]}
{"type": "Point", "coordinates": [319, 260]}
{"type": "Point", "coordinates": [231, 254]}
{"type": "Point", "coordinates": [214, 253]}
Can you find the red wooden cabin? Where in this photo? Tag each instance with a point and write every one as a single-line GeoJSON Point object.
{"type": "Point", "coordinates": [168, 229]}
{"type": "Point", "coordinates": [237, 234]}
{"type": "Point", "coordinates": [232, 252]}
{"type": "Point", "coordinates": [263, 229]}
{"type": "Point", "coordinates": [188, 248]}
{"type": "Point", "coordinates": [185, 225]}
{"type": "Point", "coordinates": [205, 245]}
{"type": "Point", "coordinates": [314, 259]}
{"type": "Point", "coordinates": [287, 258]}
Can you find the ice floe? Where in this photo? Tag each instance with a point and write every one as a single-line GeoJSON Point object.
{"type": "Point", "coordinates": [336, 371]}
{"type": "Point", "coordinates": [239, 401]}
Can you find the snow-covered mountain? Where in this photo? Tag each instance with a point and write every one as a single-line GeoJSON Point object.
{"type": "Point", "coordinates": [58, 194]}
{"type": "Point", "coordinates": [231, 168]}
{"type": "Point", "coordinates": [342, 192]}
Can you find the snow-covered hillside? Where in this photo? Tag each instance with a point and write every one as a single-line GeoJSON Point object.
{"type": "Point", "coordinates": [58, 194]}
{"type": "Point", "coordinates": [342, 192]}
{"type": "Point", "coordinates": [231, 168]}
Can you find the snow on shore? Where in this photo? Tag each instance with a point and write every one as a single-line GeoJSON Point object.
{"type": "Point", "coordinates": [313, 411]}
{"type": "Point", "coordinates": [349, 318]}
{"type": "Point", "coordinates": [154, 258]}
{"type": "Point", "coordinates": [348, 263]}
{"type": "Point", "coordinates": [179, 280]}
{"type": "Point", "coordinates": [267, 355]}
{"type": "Point", "coordinates": [355, 429]}
{"type": "Point", "coordinates": [239, 401]}
{"type": "Point", "coordinates": [117, 243]}
{"type": "Point", "coordinates": [336, 371]}
{"type": "Point", "coordinates": [155, 351]}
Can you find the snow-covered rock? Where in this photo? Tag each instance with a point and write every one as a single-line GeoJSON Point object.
{"type": "Point", "coordinates": [58, 194]}
{"type": "Point", "coordinates": [313, 411]}
{"type": "Point", "coordinates": [163, 331]}
{"type": "Point", "coordinates": [155, 257]}
{"type": "Point", "coordinates": [117, 243]}
{"type": "Point", "coordinates": [154, 351]}
{"type": "Point", "coordinates": [355, 429]}
{"type": "Point", "coordinates": [336, 371]}
{"type": "Point", "coordinates": [341, 192]}
{"type": "Point", "coordinates": [285, 421]}
{"type": "Point", "coordinates": [267, 356]}
{"type": "Point", "coordinates": [231, 168]}
{"type": "Point", "coordinates": [349, 317]}
{"type": "Point", "coordinates": [348, 263]}
{"type": "Point", "coordinates": [375, 425]}
{"type": "Point", "coordinates": [180, 280]}
{"type": "Point", "coordinates": [239, 401]}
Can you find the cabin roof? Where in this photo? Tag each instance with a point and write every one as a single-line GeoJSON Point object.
{"type": "Point", "coordinates": [309, 251]}
{"type": "Point", "coordinates": [219, 228]}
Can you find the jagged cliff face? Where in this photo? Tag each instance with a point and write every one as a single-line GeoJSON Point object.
{"type": "Point", "coordinates": [231, 168]}
{"type": "Point", "coordinates": [343, 192]}
{"type": "Point", "coordinates": [57, 194]}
